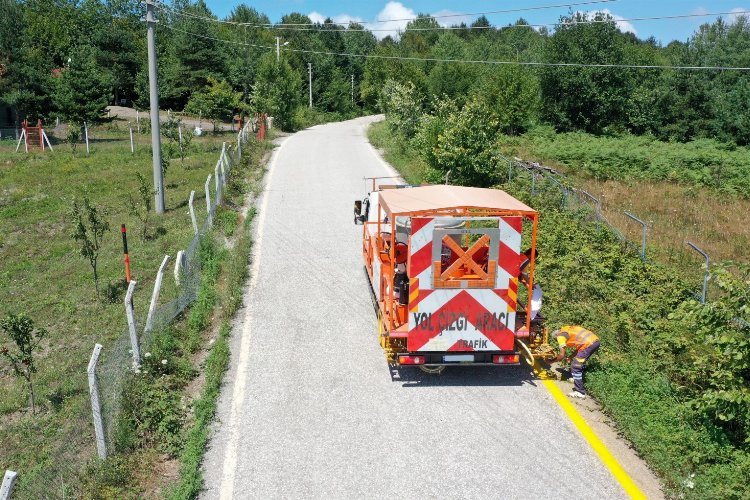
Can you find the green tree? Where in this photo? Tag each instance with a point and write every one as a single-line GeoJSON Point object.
{"type": "Point", "coordinates": [216, 102]}
{"type": "Point", "coordinates": [402, 105]}
{"type": "Point", "coordinates": [277, 90]}
{"type": "Point", "coordinates": [451, 79]}
{"type": "Point", "coordinates": [26, 339]}
{"type": "Point", "coordinates": [83, 91]}
{"type": "Point", "coordinates": [89, 228]}
{"type": "Point", "coordinates": [512, 94]}
{"type": "Point", "coordinates": [466, 148]}
{"type": "Point", "coordinates": [588, 99]}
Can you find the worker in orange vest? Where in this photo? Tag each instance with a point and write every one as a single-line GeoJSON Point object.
{"type": "Point", "coordinates": [585, 343]}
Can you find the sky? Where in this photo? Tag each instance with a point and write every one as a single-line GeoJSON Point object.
{"type": "Point", "coordinates": [379, 10]}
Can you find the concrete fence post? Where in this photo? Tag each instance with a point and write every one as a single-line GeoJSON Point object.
{"type": "Point", "coordinates": [132, 146]}
{"type": "Point", "coordinates": [134, 346]}
{"type": "Point", "coordinates": [86, 133]}
{"type": "Point", "coordinates": [155, 294]}
{"type": "Point", "coordinates": [217, 181]}
{"type": "Point", "coordinates": [96, 407]}
{"type": "Point", "coordinates": [179, 267]}
{"type": "Point", "coordinates": [192, 211]}
{"type": "Point", "coordinates": [209, 208]}
{"type": "Point", "coordinates": [9, 481]}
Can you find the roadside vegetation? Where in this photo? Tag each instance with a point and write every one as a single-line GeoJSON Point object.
{"type": "Point", "coordinates": [672, 372]}
{"type": "Point", "coordinates": [45, 276]}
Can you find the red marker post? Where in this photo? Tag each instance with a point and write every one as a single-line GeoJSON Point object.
{"type": "Point", "coordinates": [125, 251]}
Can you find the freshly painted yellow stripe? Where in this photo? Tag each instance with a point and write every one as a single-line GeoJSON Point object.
{"type": "Point", "coordinates": [606, 457]}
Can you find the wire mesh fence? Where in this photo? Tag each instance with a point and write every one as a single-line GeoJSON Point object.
{"type": "Point", "coordinates": [60, 471]}
{"type": "Point", "coordinates": [547, 182]}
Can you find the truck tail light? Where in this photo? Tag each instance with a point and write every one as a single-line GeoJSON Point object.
{"type": "Point", "coordinates": [411, 360]}
{"type": "Point", "coordinates": [505, 359]}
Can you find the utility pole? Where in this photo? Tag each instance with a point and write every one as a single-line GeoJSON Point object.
{"type": "Point", "coordinates": [309, 74]}
{"type": "Point", "coordinates": [154, 94]}
{"type": "Point", "coordinates": [278, 48]}
{"type": "Point", "coordinates": [352, 89]}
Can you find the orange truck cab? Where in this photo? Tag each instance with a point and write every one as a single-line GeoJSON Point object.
{"type": "Point", "coordinates": [444, 265]}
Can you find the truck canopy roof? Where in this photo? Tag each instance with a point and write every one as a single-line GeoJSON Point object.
{"type": "Point", "coordinates": [445, 199]}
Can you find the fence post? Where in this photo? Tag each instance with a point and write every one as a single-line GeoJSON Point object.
{"type": "Point", "coordinates": [132, 326]}
{"type": "Point", "coordinates": [208, 199]}
{"type": "Point", "coordinates": [510, 171]}
{"type": "Point", "coordinates": [132, 146]}
{"type": "Point", "coordinates": [217, 181]}
{"type": "Point", "coordinates": [192, 211]}
{"type": "Point", "coordinates": [96, 407]}
{"type": "Point", "coordinates": [706, 274]}
{"type": "Point", "coordinates": [179, 266]}
{"type": "Point", "coordinates": [9, 480]}
{"type": "Point", "coordinates": [155, 294]}
{"type": "Point", "coordinates": [86, 133]}
{"type": "Point", "coordinates": [645, 233]}
{"type": "Point", "coordinates": [224, 161]}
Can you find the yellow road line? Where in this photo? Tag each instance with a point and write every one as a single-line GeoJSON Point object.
{"type": "Point", "coordinates": [604, 454]}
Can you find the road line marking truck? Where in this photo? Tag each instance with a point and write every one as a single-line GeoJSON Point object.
{"type": "Point", "coordinates": [448, 279]}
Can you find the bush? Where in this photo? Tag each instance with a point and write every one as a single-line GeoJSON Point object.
{"type": "Point", "coordinates": [465, 148]}
{"type": "Point", "coordinates": [402, 106]}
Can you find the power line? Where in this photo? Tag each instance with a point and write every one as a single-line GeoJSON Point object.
{"type": "Point", "coordinates": [606, 20]}
{"type": "Point", "coordinates": [380, 21]}
{"type": "Point", "coordinates": [473, 61]}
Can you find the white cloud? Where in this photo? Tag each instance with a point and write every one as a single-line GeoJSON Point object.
{"type": "Point", "coordinates": [396, 16]}
{"type": "Point", "coordinates": [735, 13]}
{"type": "Point", "coordinates": [343, 19]}
{"type": "Point", "coordinates": [454, 19]}
{"type": "Point", "coordinates": [316, 17]}
{"type": "Point", "coordinates": [624, 26]}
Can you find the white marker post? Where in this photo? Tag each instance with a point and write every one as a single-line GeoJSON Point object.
{"type": "Point", "coordinates": [86, 133]}
{"type": "Point", "coordinates": [179, 267]}
{"type": "Point", "coordinates": [132, 146]}
{"type": "Point", "coordinates": [132, 326]}
{"type": "Point", "coordinates": [138, 120]}
{"type": "Point", "coordinates": [96, 407]}
{"type": "Point", "coordinates": [208, 199]}
{"type": "Point", "coordinates": [217, 181]}
{"type": "Point", "coordinates": [155, 294]}
{"type": "Point", "coordinates": [192, 212]}
{"type": "Point", "coordinates": [9, 481]}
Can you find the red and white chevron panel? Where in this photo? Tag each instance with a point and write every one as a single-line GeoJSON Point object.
{"type": "Point", "coordinates": [471, 319]}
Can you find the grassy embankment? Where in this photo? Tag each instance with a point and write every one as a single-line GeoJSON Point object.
{"type": "Point", "coordinates": [43, 276]}
{"type": "Point", "coordinates": [658, 349]}
{"type": "Point", "coordinates": [699, 191]}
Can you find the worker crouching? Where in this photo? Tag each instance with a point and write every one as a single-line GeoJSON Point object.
{"type": "Point", "coordinates": [585, 344]}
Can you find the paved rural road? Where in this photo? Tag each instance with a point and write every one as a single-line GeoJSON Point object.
{"type": "Point", "coordinates": [310, 408]}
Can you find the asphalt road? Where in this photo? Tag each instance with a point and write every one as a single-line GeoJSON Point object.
{"type": "Point", "coordinates": [310, 409]}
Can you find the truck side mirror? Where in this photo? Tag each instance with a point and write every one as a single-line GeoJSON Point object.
{"type": "Point", "coordinates": [358, 212]}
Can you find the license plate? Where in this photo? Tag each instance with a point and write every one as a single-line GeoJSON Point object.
{"type": "Point", "coordinates": [458, 358]}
